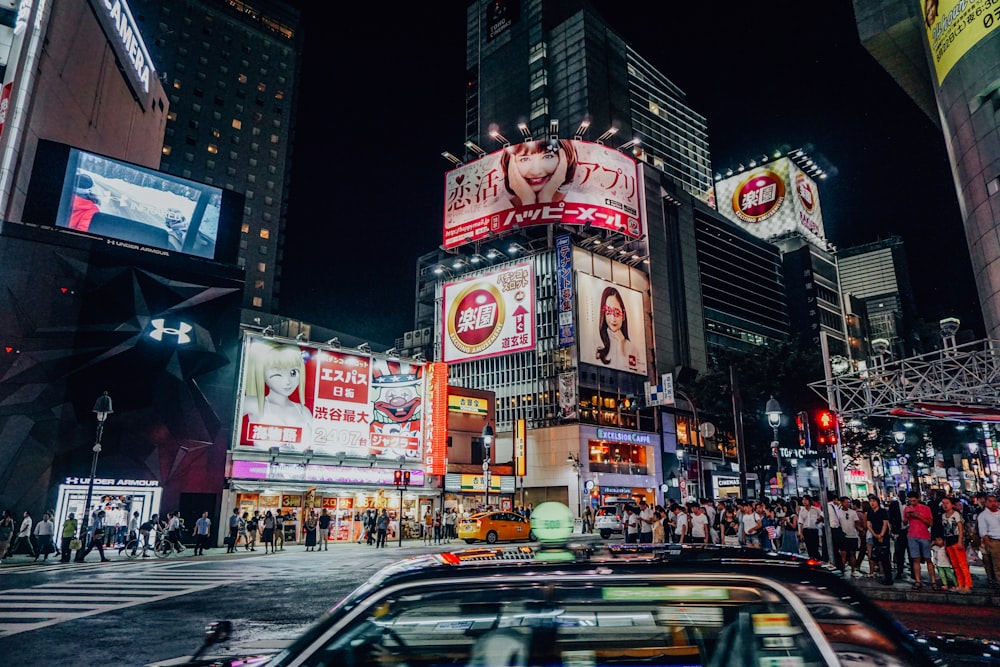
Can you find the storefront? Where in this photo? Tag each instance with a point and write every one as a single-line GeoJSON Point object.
{"type": "Point", "coordinates": [623, 465]}
{"type": "Point", "coordinates": [465, 493]}
{"type": "Point", "coordinates": [724, 485]}
{"type": "Point", "coordinates": [119, 498]}
{"type": "Point", "coordinates": [346, 492]}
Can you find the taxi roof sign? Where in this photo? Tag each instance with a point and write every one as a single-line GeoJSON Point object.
{"type": "Point", "coordinates": [552, 522]}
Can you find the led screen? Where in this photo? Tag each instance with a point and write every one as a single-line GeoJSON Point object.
{"type": "Point", "coordinates": [134, 206]}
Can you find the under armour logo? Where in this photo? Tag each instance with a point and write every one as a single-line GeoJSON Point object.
{"type": "Point", "coordinates": [181, 331]}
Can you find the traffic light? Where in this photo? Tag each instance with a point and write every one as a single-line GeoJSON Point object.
{"type": "Point", "coordinates": [826, 428]}
{"type": "Point", "coordinates": [406, 478]}
{"type": "Point", "coordinates": [397, 477]}
{"type": "Point", "coordinates": [802, 423]}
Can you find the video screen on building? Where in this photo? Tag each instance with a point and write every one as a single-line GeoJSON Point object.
{"type": "Point", "coordinates": [611, 329]}
{"type": "Point", "coordinates": [84, 192]}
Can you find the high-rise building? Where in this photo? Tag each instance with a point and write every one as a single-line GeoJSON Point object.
{"type": "Point", "coordinates": [877, 274]}
{"type": "Point", "coordinates": [230, 69]}
{"type": "Point", "coordinates": [558, 68]}
{"type": "Point", "coordinates": [947, 59]}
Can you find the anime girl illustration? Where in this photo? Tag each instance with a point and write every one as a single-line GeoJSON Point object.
{"type": "Point", "coordinates": [274, 397]}
{"type": "Point", "coordinates": [536, 172]}
{"type": "Point", "coordinates": [616, 349]}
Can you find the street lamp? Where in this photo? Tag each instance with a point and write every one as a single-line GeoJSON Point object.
{"type": "Point", "coordinates": [102, 408]}
{"type": "Point", "coordinates": [773, 411]}
{"type": "Point", "coordinates": [574, 461]}
{"type": "Point", "coordinates": [487, 441]}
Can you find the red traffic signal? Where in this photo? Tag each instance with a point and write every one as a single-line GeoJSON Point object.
{"type": "Point", "coordinates": [397, 477]}
{"type": "Point", "coordinates": [406, 478]}
{"type": "Point", "coordinates": [826, 433]}
{"type": "Point", "coordinates": [802, 423]}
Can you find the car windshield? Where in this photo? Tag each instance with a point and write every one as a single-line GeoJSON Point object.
{"type": "Point", "coordinates": [583, 620]}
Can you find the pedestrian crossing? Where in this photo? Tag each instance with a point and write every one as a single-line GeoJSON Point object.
{"type": "Point", "coordinates": [31, 608]}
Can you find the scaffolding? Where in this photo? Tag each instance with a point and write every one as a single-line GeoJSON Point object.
{"type": "Point", "coordinates": [958, 382]}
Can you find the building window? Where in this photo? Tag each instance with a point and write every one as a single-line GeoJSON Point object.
{"type": "Point", "coordinates": [253, 162]}
{"type": "Point", "coordinates": [275, 138]}
{"type": "Point", "coordinates": [213, 149]}
{"type": "Point", "coordinates": [245, 228]}
{"type": "Point", "coordinates": [198, 92]}
{"type": "Point", "coordinates": [210, 164]}
{"type": "Point", "coordinates": [255, 131]}
{"type": "Point", "coordinates": [242, 78]}
{"type": "Point", "coordinates": [234, 139]}
{"type": "Point", "coordinates": [177, 84]}
{"type": "Point", "coordinates": [196, 108]}
{"type": "Point", "coordinates": [258, 302]}
{"type": "Point", "coordinates": [262, 267]}
{"type": "Point", "coordinates": [251, 178]}
{"type": "Point", "coordinates": [237, 124]}
{"type": "Point", "coordinates": [171, 115]}
{"type": "Point", "coordinates": [216, 133]}
{"type": "Point", "coordinates": [262, 249]}
{"type": "Point", "coordinates": [265, 234]}
{"type": "Point", "coordinates": [231, 171]}
{"type": "Point", "coordinates": [258, 284]}
{"type": "Point", "coordinates": [280, 95]}
{"type": "Point", "coordinates": [261, 87]}
{"type": "Point", "coordinates": [166, 150]}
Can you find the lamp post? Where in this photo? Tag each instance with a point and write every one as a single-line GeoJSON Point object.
{"type": "Point", "coordinates": [487, 442]}
{"type": "Point", "coordinates": [102, 408]}
{"type": "Point", "coordinates": [574, 461]}
{"type": "Point", "coordinates": [773, 411]}
{"type": "Point", "coordinates": [899, 437]}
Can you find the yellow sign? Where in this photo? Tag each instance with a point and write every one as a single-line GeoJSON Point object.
{"type": "Point", "coordinates": [467, 405]}
{"type": "Point", "coordinates": [520, 448]}
{"type": "Point", "coordinates": [478, 483]}
{"type": "Point", "coordinates": [953, 27]}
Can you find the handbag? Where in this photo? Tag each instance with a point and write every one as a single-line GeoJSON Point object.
{"type": "Point", "coordinates": [75, 544]}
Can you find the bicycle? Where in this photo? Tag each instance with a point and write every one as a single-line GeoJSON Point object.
{"type": "Point", "coordinates": [162, 547]}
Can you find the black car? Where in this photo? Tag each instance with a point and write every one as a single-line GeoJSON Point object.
{"type": "Point", "coordinates": [688, 605]}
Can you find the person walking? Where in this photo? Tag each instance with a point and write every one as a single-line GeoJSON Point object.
{"type": "Point", "coordinates": [6, 532]}
{"type": "Point", "coordinates": [588, 521]}
{"type": "Point", "coordinates": [989, 540]}
{"type": "Point", "coordinates": [96, 540]}
{"type": "Point", "coordinates": [68, 534]}
{"type": "Point", "coordinates": [381, 529]}
{"type": "Point", "coordinates": [44, 533]}
{"type": "Point", "coordinates": [428, 525]}
{"type": "Point", "coordinates": [279, 531]}
{"type": "Point", "coordinates": [953, 533]}
{"type": "Point", "coordinates": [267, 534]}
{"type": "Point", "coordinates": [174, 531]}
{"type": "Point", "coordinates": [242, 528]}
{"type": "Point", "coordinates": [24, 535]}
{"type": "Point", "coordinates": [202, 530]}
{"type": "Point", "coordinates": [234, 531]}
{"type": "Point", "coordinates": [324, 531]}
{"type": "Point", "coordinates": [253, 528]}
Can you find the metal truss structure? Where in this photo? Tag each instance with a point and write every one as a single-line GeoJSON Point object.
{"type": "Point", "coordinates": [958, 383]}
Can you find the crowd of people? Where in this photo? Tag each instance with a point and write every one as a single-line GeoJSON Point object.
{"type": "Point", "coordinates": [929, 541]}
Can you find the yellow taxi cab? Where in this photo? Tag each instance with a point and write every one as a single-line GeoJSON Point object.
{"type": "Point", "coordinates": [493, 527]}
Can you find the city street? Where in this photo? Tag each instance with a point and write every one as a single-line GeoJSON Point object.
{"type": "Point", "coordinates": [136, 612]}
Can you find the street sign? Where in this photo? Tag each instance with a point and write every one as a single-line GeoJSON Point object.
{"type": "Point", "coordinates": [902, 460]}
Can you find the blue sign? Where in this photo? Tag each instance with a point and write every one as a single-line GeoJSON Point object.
{"type": "Point", "coordinates": [564, 290]}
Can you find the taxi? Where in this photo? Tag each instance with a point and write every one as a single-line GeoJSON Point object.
{"type": "Point", "coordinates": [493, 527]}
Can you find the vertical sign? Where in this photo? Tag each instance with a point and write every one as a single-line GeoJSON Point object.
{"type": "Point", "coordinates": [520, 447]}
{"type": "Point", "coordinates": [564, 290]}
{"type": "Point", "coordinates": [568, 399]}
{"type": "Point", "coordinates": [436, 420]}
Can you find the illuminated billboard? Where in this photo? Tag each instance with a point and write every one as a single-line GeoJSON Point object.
{"type": "Point", "coordinates": [489, 315]}
{"type": "Point", "coordinates": [297, 397]}
{"type": "Point", "coordinates": [546, 182]}
{"type": "Point", "coordinates": [612, 325]}
{"type": "Point", "coordinates": [771, 200]}
{"type": "Point", "coordinates": [953, 27]}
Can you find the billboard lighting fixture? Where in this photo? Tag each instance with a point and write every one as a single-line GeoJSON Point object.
{"type": "Point", "coordinates": [525, 132]}
{"type": "Point", "coordinates": [392, 352]}
{"type": "Point", "coordinates": [580, 131]}
{"type": "Point", "coordinates": [729, 172]}
{"type": "Point", "coordinates": [740, 167]}
{"type": "Point", "coordinates": [718, 176]}
{"type": "Point", "coordinates": [610, 132]}
{"type": "Point", "coordinates": [554, 126]}
{"type": "Point", "coordinates": [475, 259]}
{"type": "Point", "coordinates": [457, 264]}
{"type": "Point", "coordinates": [334, 342]}
{"type": "Point", "coordinates": [268, 331]}
{"type": "Point", "coordinates": [777, 154]}
{"type": "Point", "coordinates": [474, 147]}
{"type": "Point", "coordinates": [513, 248]}
{"type": "Point", "coordinates": [499, 138]}
{"type": "Point", "coordinates": [753, 163]}
{"type": "Point", "coordinates": [629, 144]}
{"type": "Point", "coordinates": [365, 347]}
{"type": "Point", "coordinates": [451, 158]}
{"type": "Point", "coordinates": [438, 269]}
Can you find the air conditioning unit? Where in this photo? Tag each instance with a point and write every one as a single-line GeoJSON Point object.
{"type": "Point", "coordinates": [408, 339]}
{"type": "Point", "coordinates": [426, 336]}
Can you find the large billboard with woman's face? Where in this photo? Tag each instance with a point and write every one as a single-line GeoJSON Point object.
{"type": "Point", "coordinates": [612, 330]}
{"type": "Point", "coordinates": [489, 315]}
{"type": "Point", "coordinates": [543, 182]}
{"type": "Point", "coordinates": [297, 397]}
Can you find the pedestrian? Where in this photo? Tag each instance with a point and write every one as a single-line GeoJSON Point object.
{"type": "Point", "coordinates": [920, 518]}
{"type": "Point", "coordinates": [6, 532]}
{"type": "Point", "coordinates": [945, 571]}
{"type": "Point", "coordinates": [202, 531]}
{"type": "Point", "coordinates": [24, 535]}
{"type": "Point", "coordinates": [437, 527]}
{"type": "Point", "coordinates": [279, 531]}
{"type": "Point", "coordinates": [631, 525]}
{"type": "Point", "coordinates": [900, 534]}
{"type": "Point", "coordinates": [988, 523]}
{"type": "Point", "coordinates": [68, 535]}
{"type": "Point", "coordinates": [44, 532]}
{"type": "Point", "coordinates": [174, 531]}
{"type": "Point", "coordinates": [953, 535]}
{"type": "Point", "coordinates": [588, 521]}
{"type": "Point", "coordinates": [849, 522]}
{"type": "Point", "coordinates": [428, 525]}
{"type": "Point", "coordinates": [449, 524]}
{"type": "Point", "coordinates": [730, 527]}
{"type": "Point", "coordinates": [789, 532]}
{"type": "Point", "coordinates": [659, 535]}
{"type": "Point", "coordinates": [96, 540]}
{"type": "Point", "coordinates": [645, 522]}
{"type": "Point", "coordinates": [752, 524]}
{"type": "Point", "coordinates": [381, 529]}
{"type": "Point", "coordinates": [698, 524]}
{"type": "Point", "coordinates": [133, 528]}
{"type": "Point", "coordinates": [810, 518]}
{"type": "Point", "coordinates": [681, 526]}
{"type": "Point", "coordinates": [234, 531]}
{"type": "Point", "coordinates": [267, 535]}
{"type": "Point", "coordinates": [253, 528]}
{"type": "Point", "coordinates": [242, 528]}
{"type": "Point", "coordinates": [324, 530]}
{"type": "Point", "coordinates": [310, 530]}
{"type": "Point", "coordinates": [371, 520]}
{"type": "Point", "coordinates": [878, 527]}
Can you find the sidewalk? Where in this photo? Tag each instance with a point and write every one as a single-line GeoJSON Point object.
{"type": "Point", "coordinates": [902, 590]}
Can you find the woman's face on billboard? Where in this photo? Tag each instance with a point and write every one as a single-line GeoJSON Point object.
{"type": "Point", "coordinates": [536, 168]}
{"type": "Point", "coordinates": [282, 381]}
{"type": "Point", "coordinates": [614, 313]}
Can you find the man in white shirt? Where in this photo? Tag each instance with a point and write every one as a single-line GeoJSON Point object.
{"type": "Point", "coordinates": [810, 518]}
{"type": "Point", "coordinates": [699, 525]}
{"type": "Point", "coordinates": [836, 534]}
{"type": "Point", "coordinates": [24, 535]}
{"type": "Point", "coordinates": [848, 547]}
{"type": "Point", "coordinates": [631, 525]}
{"type": "Point", "coordinates": [989, 535]}
{"type": "Point", "coordinates": [752, 525]}
{"type": "Point", "coordinates": [646, 519]}
{"type": "Point", "coordinates": [680, 525]}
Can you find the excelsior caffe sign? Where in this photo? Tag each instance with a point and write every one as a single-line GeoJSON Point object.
{"type": "Point", "coordinates": [631, 437]}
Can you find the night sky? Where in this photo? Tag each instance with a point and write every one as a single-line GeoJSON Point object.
{"type": "Point", "coordinates": [383, 94]}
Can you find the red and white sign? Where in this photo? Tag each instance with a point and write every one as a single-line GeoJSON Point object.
{"type": "Point", "coordinates": [565, 182]}
{"type": "Point", "coordinates": [299, 396]}
{"type": "Point", "coordinates": [489, 315]}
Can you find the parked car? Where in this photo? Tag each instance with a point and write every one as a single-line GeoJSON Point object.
{"type": "Point", "coordinates": [493, 527]}
{"type": "Point", "coordinates": [608, 520]}
{"type": "Point", "coordinates": [705, 605]}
